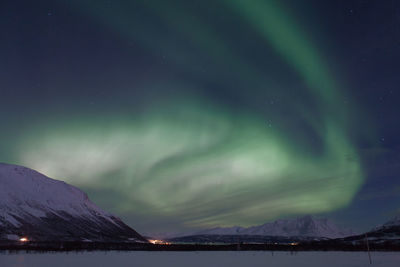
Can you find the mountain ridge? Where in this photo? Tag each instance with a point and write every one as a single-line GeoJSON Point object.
{"type": "Point", "coordinates": [305, 226]}
{"type": "Point", "coordinates": [301, 226]}
{"type": "Point", "coordinates": [42, 208]}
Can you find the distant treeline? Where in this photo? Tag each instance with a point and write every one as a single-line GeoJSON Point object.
{"type": "Point", "coordinates": [14, 247]}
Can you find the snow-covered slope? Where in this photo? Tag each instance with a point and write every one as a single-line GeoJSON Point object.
{"type": "Point", "coordinates": [388, 231]}
{"type": "Point", "coordinates": [306, 226]}
{"type": "Point", "coordinates": [42, 208]}
{"type": "Point", "coordinates": [387, 235]}
{"type": "Point", "coordinates": [395, 221]}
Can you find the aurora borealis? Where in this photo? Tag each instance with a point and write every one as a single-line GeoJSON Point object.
{"type": "Point", "coordinates": [181, 163]}
{"type": "Point", "coordinates": [177, 115]}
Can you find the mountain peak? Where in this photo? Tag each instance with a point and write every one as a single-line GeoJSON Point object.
{"type": "Point", "coordinates": [395, 221]}
{"type": "Point", "coordinates": [305, 226]}
{"type": "Point", "coordinates": [44, 208]}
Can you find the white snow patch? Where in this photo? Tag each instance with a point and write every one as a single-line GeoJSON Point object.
{"type": "Point", "coordinates": [12, 237]}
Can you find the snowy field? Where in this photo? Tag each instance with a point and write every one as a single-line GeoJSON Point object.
{"type": "Point", "coordinates": [229, 258]}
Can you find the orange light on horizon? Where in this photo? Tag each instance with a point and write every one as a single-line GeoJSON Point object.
{"type": "Point", "coordinates": [24, 239]}
{"type": "Point", "coordinates": [158, 242]}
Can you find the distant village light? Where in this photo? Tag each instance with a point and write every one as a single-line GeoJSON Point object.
{"type": "Point", "coordinates": [24, 239]}
{"type": "Point", "coordinates": [158, 242]}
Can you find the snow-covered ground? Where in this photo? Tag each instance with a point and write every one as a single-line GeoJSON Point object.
{"type": "Point", "coordinates": [209, 259]}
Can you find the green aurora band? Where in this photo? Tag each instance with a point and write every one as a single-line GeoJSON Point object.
{"type": "Point", "coordinates": [197, 163]}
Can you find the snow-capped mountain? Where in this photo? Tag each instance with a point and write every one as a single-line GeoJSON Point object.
{"type": "Point", "coordinates": [388, 231]}
{"type": "Point", "coordinates": [40, 208]}
{"type": "Point", "coordinates": [395, 221]}
{"type": "Point", "coordinates": [386, 235]}
{"type": "Point", "coordinates": [306, 226]}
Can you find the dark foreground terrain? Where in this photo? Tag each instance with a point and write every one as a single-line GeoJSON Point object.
{"type": "Point", "coordinates": [109, 246]}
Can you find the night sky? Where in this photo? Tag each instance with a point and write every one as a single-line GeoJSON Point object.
{"type": "Point", "coordinates": [182, 114]}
